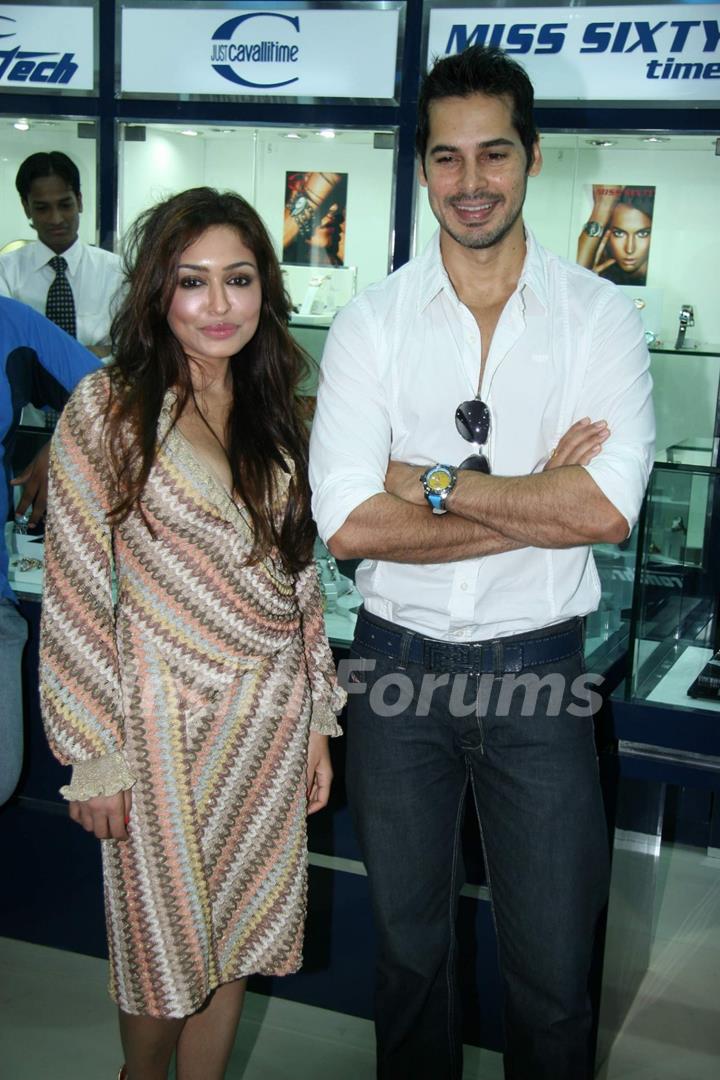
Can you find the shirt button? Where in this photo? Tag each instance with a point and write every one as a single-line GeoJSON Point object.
{"type": "Point", "coordinates": [464, 586]}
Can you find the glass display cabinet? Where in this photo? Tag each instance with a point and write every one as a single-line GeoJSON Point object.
{"type": "Point", "coordinates": [326, 196]}
{"type": "Point", "coordinates": [686, 388]}
{"type": "Point", "coordinates": [661, 171]}
{"type": "Point", "coordinates": [674, 631]}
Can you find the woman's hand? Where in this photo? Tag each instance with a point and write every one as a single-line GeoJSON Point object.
{"type": "Point", "coordinates": [107, 816]}
{"type": "Point", "coordinates": [319, 772]}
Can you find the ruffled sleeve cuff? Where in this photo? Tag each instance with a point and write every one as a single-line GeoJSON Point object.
{"type": "Point", "coordinates": [324, 718]}
{"type": "Point", "coordinates": [98, 776]}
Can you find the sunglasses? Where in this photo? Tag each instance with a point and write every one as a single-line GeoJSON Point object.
{"type": "Point", "coordinates": [472, 420]}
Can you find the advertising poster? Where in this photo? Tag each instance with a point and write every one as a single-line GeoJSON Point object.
{"type": "Point", "coordinates": [314, 223]}
{"type": "Point", "coordinates": [615, 240]}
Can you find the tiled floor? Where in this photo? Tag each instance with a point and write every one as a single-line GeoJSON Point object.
{"type": "Point", "coordinates": [56, 1022]}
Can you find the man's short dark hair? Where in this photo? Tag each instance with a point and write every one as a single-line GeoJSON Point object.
{"type": "Point", "coordinates": [46, 163]}
{"type": "Point", "coordinates": [481, 69]}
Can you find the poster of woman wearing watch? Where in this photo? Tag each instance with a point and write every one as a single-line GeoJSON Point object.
{"type": "Point", "coordinates": [615, 240]}
{"type": "Point", "coordinates": [314, 223]}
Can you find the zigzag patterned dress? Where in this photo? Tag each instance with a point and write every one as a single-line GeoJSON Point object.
{"type": "Point", "coordinates": [200, 681]}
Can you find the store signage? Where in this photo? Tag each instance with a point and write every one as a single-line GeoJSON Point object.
{"type": "Point", "coordinates": [44, 47]}
{"type": "Point", "coordinates": [283, 51]}
{"type": "Point", "coordinates": [236, 52]}
{"type": "Point", "coordinates": [646, 52]}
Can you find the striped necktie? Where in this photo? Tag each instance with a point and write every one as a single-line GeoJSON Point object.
{"type": "Point", "coordinates": [60, 303]}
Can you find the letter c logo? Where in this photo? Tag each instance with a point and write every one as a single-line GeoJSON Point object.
{"type": "Point", "coordinates": [225, 33]}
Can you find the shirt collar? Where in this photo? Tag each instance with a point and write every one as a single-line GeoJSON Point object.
{"type": "Point", "coordinates": [42, 255]}
{"type": "Point", "coordinates": [434, 276]}
{"type": "Point", "coordinates": [534, 272]}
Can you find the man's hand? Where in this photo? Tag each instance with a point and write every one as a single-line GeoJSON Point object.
{"type": "Point", "coordinates": [580, 444]}
{"type": "Point", "coordinates": [107, 816]}
{"type": "Point", "coordinates": [34, 481]}
{"type": "Point", "coordinates": [404, 481]}
{"type": "Point", "coordinates": [319, 772]}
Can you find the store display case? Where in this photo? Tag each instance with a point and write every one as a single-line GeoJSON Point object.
{"type": "Point", "coordinates": [686, 388]}
{"type": "Point", "coordinates": [674, 630]}
{"type": "Point", "coordinates": [680, 266]}
{"type": "Point", "coordinates": [325, 194]}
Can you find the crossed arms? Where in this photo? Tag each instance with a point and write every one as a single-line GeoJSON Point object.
{"type": "Point", "coordinates": [559, 507]}
{"type": "Point", "coordinates": [368, 505]}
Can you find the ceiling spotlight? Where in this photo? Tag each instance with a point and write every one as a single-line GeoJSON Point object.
{"type": "Point", "coordinates": [656, 138]}
{"type": "Point", "coordinates": [600, 142]}
{"type": "Point", "coordinates": [21, 125]}
{"type": "Point", "coordinates": [327, 133]}
{"type": "Point", "coordinates": [189, 131]}
{"type": "Point", "coordinates": [293, 135]}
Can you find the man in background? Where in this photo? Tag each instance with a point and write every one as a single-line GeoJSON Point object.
{"type": "Point", "coordinates": [71, 283]}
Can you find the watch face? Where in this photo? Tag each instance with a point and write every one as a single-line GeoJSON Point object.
{"type": "Point", "coordinates": [438, 480]}
{"type": "Point", "coordinates": [593, 228]}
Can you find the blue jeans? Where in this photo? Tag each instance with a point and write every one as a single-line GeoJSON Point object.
{"type": "Point", "coordinates": [13, 635]}
{"type": "Point", "coordinates": [536, 790]}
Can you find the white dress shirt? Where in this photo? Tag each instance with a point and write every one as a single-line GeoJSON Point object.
{"type": "Point", "coordinates": [95, 277]}
{"type": "Point", "coordinates": [399, 360]}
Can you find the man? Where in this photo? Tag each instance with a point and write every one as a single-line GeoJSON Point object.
{"type": "Point", "coordinates": [38, 364]}
{"type": "Point", "coordinates": [485, 337]}
{"type": "Point", "coordinates": [59, 275]}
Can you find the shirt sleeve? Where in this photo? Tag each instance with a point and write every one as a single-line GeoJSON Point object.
{"type": "Point", "coordinates": [618, 389]}
{"type": "Point", "coordinates": [327, 697]}
{"type": "Point", "coordinates": [114, 291]}
{"type": "Point", "coordinates": [4, 284]}
{"type": "Point", "coordinates": [61, 355]}
{"type": "Point", "coordinates": [351, 432]}
{"type": "Point", "coordinates": [80, 690]}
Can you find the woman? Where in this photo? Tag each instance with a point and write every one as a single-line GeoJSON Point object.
{"type": "Point", "coordinates": [615, 242]}
{"type": "Point", "coordinates": [184, 704]}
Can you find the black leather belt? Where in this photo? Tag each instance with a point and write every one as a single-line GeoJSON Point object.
{"type": "Point", "coordinates": [499, 656]}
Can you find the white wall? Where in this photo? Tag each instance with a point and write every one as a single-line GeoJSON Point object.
{"type": "Point", "coordinates": [254, 163]}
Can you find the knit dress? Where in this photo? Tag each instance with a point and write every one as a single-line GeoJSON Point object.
{"type": "Point", "coordinates": [170, 665]}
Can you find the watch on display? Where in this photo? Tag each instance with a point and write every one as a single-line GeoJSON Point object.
{"type": "Point", "coordinates": [592, 228]}
{"type": "Point", "coordinates": [438, 481]}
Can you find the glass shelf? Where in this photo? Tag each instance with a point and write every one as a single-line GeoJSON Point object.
{"type": "Point", "coordinates": [674, 630]}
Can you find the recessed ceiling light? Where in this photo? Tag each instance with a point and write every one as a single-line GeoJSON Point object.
{"type": "Point", "coordinates": [189, 131]}
{"type": "Point", "coordinates": [327, 133]}
{"type": "Point", "coordinates": [600, 142]}
{"type": "Point", "coordinates": [21, 125]}
{"type": "Point", "coordinates": [655, 138]}
{"type": "Point", "coordinates": [293, 135]}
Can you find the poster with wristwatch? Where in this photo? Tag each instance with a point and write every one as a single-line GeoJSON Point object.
{"type": "Point", "coordinates": [615, 240]}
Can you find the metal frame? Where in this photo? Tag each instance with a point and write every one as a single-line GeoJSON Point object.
{"type": "Point", "coordinates": [286, 5]}
{"type": "Point", "coordinates": [62, 92]}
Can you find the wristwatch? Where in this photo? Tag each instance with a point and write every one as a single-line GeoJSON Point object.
{"type": "Point", "coordinates": [592, 228]}
{"type": "Point", "coordinates": [438, 481]}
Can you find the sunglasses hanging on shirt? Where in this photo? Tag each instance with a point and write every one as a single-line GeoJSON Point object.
{"type": "Point", "coordinates": [472, 420]}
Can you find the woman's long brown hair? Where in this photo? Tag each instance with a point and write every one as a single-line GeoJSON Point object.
{"type": "Point", "coordinates": [265, 427]}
